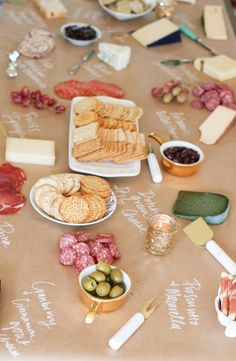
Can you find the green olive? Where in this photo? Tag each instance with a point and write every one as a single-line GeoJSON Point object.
{"type": "Point", "coordinates": [116, 275]}
{"type": "Point", "coordinates": [116, 291]}
{"type": "Point", "coordinates": [89, 284]}
{"type": "Point", "coordinates": [98, 276]}
{"type": "Point", "coordinates": [103, 289]}
{"type": "Point", "coordinates": [103, 267]}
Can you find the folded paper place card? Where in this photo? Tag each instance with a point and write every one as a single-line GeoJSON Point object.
{"type": "Point", "coordinates": [159, 32]}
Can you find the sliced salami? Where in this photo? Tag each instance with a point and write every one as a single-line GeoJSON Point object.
{"type": "Point", "coordinates": [114, 251]}
{"type": "Point", "coordinates": [67, 240]}
{"type": "Point", "coordinates": [94, 247]}
{"type": "Point", "coordinates": [68, 256]}
{"type": "Point", "coordinates": [73, 88]}
{"type": "Point", "coordinates": [83, 262]}
{"type": "Point", "coordinates": [81, 248]}
{"type": "Point", "coordinates": [104, 255]}
{"type": "Point", "coordinates": [82, 236]}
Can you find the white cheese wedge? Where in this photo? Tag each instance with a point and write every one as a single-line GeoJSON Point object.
{"type": "Point", "coordinates": [220, 67]}
{"type": "Point", "coordinates": [216, 124]}
{"type": "Point", "coordinates": [214, 23]}
{"type": "Point", "coordinates": [32, 151]}
{"type": "Point", "coordinates": [116, 56]}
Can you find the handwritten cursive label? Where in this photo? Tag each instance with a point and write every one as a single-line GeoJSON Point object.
{"type": "Point", "coordinates": [174, 122]}
{"type": "Point", "coordinates": [5, 230]}
{"type": "Point", "coordinates": [98, 70]}
{"type": "Point", "coordinates": [89, 14]}
{"type": "Point", "coordinates": [26, 16]}
{"type": "Point", "coordinates": [182, 73]}
{"type": "Point", "coordinates": [138, 207]}
{"type": "Point", "coordinates": [23, 330]}
{"type": "Point", "coordinates": [20, 124]}
{"type": "Point", "coordinates": [177, 293]}
{"type": "Point", "coordinates": [36, 71]}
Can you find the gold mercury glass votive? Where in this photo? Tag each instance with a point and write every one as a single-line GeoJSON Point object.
{"type": "Point", "coordinates": [165, 8]}
{"type": "Point", "coordinates": [161, 229]}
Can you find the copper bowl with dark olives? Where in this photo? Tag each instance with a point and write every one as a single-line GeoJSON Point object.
{"type": "Point", "coordinates": [179, 158]}
{"type": "Point", "coordinates": [103, 288]}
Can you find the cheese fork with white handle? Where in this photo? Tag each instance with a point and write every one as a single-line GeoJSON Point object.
{"type": "Point", "coordinates": [132, 325]}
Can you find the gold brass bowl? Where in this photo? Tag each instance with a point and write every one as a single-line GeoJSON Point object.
{"type": "Point", "coordinates": [178, 169]}
{"type": "Point", "coordinates": [96, 304]}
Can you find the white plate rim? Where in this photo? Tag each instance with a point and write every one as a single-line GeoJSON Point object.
{"type": "Point", "coordinates": [80, 42]}
{"type": "Point", "coordinates": [72, 161]}
{"type": "Point", "coordinates": [123, 16]}
{"type": "Point", "coordinates": [50, 218]}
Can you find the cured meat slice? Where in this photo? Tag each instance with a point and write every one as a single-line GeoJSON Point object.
{"type": "Point", "coordinates": [11, 180]}
{"type": "Point", "coordinates": [73, 88]}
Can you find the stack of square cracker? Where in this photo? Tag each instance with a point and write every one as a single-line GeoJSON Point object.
{"type": "Point", "coordinates": [107, 132]}
{"type": "Point", "coordinates": [73, 198]}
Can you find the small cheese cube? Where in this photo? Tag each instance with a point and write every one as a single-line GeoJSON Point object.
{"type": "Point", "coordinates": [115, 55]}
{"type": "Point", "coordinates": [216, 124]}
{"type": "Point", "coordinates": [32, 151]}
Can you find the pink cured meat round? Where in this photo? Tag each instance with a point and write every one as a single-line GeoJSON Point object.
{"type": "Point", "coordinates": [198, 91]}
{"type": "Point", "coordinates": [104, 255]}
{"type": "Point", "coordinates": [197, 104]}
{"type": "Point", "coordinates": [209, 95]}
{"type": "Point", "coordinates": [68, 256]}
{"type": "Point", "coordinates": [94, 247]}
{"type": "Point", "coordinates": [67, 240]}
{"type": "Point", "coordinates": [82, 236]}
{"type": "Point", "coordinates": [108, 236]}
{"type": "Point", "coordinates": [81, 248]}
{"type": "Point", "coordinates": [208, 85]}
{"type": "Point", "coordinates": [211, 104]}
{"type": "Point", "coordinates": [83, 262]}
{"type": "Point", "coordinates": [114, 251]}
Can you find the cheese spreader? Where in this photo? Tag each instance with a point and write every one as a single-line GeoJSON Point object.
{"type": "Point", "coordinates": [201, 234]}
{"type": "Point", "coordinates": [124, 333]}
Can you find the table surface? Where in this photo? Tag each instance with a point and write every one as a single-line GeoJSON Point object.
{"type": "Point", "coordinates": [41, 315]}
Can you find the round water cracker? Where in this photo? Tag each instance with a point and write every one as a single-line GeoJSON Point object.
{"type": "Point", "coordinates": [46, 199]}
{"type": "Point", "coordinates": [85, 105]}
{"type": "Point", "coordinates": [56, 206]}
{"type": "Point", "coordinates": [76, 184]}
{"type": "Point", "coordinates": [55, 182]}
{"type": "Point", "coordinates": [41, 190]}
{"type": "Point", "coordinates": [95, 183]}
{"type": "Point", "coordinates": [104, 195]}
{"type": "Point", "coordinates": [97, 207]}
{"type": "Point", "coordinates": [74, 209]}
{"type": "Point", "coordinates": [67, 180]}
{"type": "Point", "coordinates": [85, 118]}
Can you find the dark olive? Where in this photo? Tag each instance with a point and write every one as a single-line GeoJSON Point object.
{"type": "Point", "coordinates": [89, 284]}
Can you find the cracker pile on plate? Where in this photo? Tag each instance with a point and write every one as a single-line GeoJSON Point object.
{"type": "Point", "coordinates": [73, 198]}
{"type": "Point", "coordinates": [126, 6]}
{"type": "Point", "coordinates": [51, 9]}
{"type": "Point", "coordinates": [107, 132]}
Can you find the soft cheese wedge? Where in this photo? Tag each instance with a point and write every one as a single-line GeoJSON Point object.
{"type": "Point", "coordinates": [116, 56]}
{"type": "Point", "coordinates": [32, 151]}
{"type": "Point", "coordinates": [216, 124]}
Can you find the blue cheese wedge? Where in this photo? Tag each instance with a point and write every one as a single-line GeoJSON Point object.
{"type": "Point", "coordinates": [216, 124]}
{"type": "Point", "coordinates": [115, 55]}
{"type": "Point", "coordinates": [31, 151]}
{"type": "Point", "coordinates": [159, 32]}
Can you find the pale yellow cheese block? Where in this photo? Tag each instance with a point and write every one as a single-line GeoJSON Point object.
{"type": "Point", "coordinates": [216, 124]}
{"type": "Point", "coordinates": [214, 23]}
{"type": "Point", "coordinates": [154, 31]}
{"type": "Point", "coordinates": [32, 151]}
{"type": "Point", "coordinates": [220, 67]}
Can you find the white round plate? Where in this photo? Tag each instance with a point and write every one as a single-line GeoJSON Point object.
{"type": "Point", "coordinates": [123, 16]}
{"type": "Point", "coordinates": [80, 42]}
{"type": "Point", "coordinates": [111, 206]}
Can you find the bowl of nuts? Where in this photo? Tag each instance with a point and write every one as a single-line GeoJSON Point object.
{"type": "Point", "coordinates": [103, 288]}
{"type": "Point", "coordinates": [127, 9]}
{"type": "Point", "coordinates": [179, 158]}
